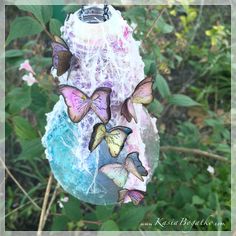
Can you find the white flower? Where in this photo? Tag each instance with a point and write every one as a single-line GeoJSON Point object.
{"type": "Point", "coordinates": [133, 25]}
{"type": "Point", "coordinates": [211, 170]}
{"type": "Point", "coordinates": [60, 204]}
{"type": "Point", "coordinates": [65, 199]}
{"type": "Point", "coordinates": [30, 79]}
{"type": "Point", "coordinates": [26, 66]}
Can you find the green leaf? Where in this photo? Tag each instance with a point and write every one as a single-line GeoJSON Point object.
{"type": "Point", "coordinates": [155, 108]}
{"type": "Point", "coordinates": [190, 212]}
{"type": "Point", "coordinates": [163, 27]}
{"type": "Point", "coordinates": [54, 27]}
{"type": "Point", "coordinates": [104, 212]}
{"type": "Point", "coordinates": [196, 200]}
{"type": "Point", "coordinates": [34, 9]}
{"type": "Point", "coordinates": [109, 225]}
{"type": "Point", "coordinates": [14, 53]}
{"type": "Point", "coordinates": [18, 99]}
{"type": "Point", "coordinates": [130, 217]}
{"type": "Point", "coordinates": [70, 8]}
{"type": "Point", "coordinates": [8, 130]}
{"type": "Point", "coordinates": [30, 149]}
{"type": "Point", "coordinates": [41, 12]}
{"type": "Point", "coordinates": [148, 66]}
{"type": "Point", "coordinates": [212, 202]}
{"type": "Point", "coordinates": [42, 61]}
{"type": "Point", "coordinates": [182, 196]}
{"type": "Point", "coordinates": [162, 86]}
{"type": "Point", "coordinates": [72, 209]}
{"type": "Point", "coordinates": [182, 100]}
{"type": "Point", "coordinates": [46, 13]}
{"type": "Point", "coordinates": [22, 27]}
{"type": "Point", "coordinates": [59, 223]}
{"type": "Point", "coordinates": [23, 128]}
{"type": "Point", "coordinates": [135, 12]}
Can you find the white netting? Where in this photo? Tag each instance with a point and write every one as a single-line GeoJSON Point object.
{"type": "Point", "coordinates": [109, 57]}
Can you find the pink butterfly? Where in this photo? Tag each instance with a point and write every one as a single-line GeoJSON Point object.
{"type": "Point", "coordinates": [136, 196]}
{"type": "Point", "coordinates": [142, 95]}
{"type": "Point", "coordinates": [79, 103]}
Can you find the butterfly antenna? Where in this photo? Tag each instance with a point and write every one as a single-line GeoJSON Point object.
{"type": "Point", "coordinates": [68, 74]}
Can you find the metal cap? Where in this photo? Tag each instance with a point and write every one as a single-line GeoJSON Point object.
{"type": "Point", "coordinates": [94, 14]}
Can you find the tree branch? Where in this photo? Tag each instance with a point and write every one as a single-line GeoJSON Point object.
{"type": "Point", "coordinates": [194, 152]}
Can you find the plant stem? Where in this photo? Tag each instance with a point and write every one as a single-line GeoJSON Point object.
{"type": "Point", "coordinates": [91, 222]}
{"type": "Point", "coordinates": [45, 201]}
{"type": "Point", "coordinates": [20, 207]}
{"type": "Point", "coordinates": [194, 152]}
{"type": "Point", "coordinates": [50, 204]}
{"type": "Point", "coordinates": [153, 24]}
{"type": "Point", "coordinates": [19, 185]}
{"type": "Point", "coordinates": [44, 27]}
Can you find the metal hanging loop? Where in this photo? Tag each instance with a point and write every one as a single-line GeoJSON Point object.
{"type": "Point", "coordinates": [94, 14]}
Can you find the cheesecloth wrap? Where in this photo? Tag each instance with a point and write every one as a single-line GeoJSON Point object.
{"type": "Point", "coordinates": [109, 57]}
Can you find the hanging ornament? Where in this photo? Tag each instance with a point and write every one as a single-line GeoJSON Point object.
{"type": "Point", "coordinates": [101, 142]}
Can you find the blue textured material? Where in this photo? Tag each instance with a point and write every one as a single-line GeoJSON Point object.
{"type": "Point", "coordinates": [85, 183]}
{"type": "Point", "coordinates": [78, 182]}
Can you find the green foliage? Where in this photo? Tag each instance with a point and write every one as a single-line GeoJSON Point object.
{"type": "Point", "coordinates": [182, 100]}
{"type": "Point", "coordinates": [109, 225]}
{"type": "Point", "coordinates": [14, 53]}
{"type": "Point", "coordinates": [162, 86]}
{"type": "Point", "coordinates": [42, 13]}
{"type": "Point", "coordinates": [23, 26]}
{"type": "Point", "coordinates": [54, 27]}
{"type": "Point", "coordinates": [18, 99]}
{"type": "Point", "coordinates": [23, 129]}
{"type": "Point", "coordinates": [187, 53]}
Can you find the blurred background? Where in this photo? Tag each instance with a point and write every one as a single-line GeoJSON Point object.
{"type": "Point", "coordinates": [187, 50]}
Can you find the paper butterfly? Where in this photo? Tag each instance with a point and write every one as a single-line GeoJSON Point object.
{"type": "Point", "coordinates": [79, 103]}
{"type": "Point", "coordinates": [62, 58]}
{"type": "Point", "coordinates": [142, 94]}
{"type": "Point", "coordinates": [115, 138]}
{"type": "Point", "coordinates": [136, 196]}
{"type": "Point", "coordinates": [119, 172]}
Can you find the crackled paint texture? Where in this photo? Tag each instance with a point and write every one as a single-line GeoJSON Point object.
{"type": "Point", "coordinates": [109, 56]}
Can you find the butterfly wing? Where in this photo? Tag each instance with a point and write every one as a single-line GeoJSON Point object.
{"type": "Point", "coordinates": [127, 110]}
{"type": "Point", "coordinates": [77, 102]}
{"type": "Point", "coordinates": [130, 167]}
{"type": "Point", "coordinates": [122, 195]}
{"type": "Point", "coordinates": [56, 47]}
{"type": "Point", "coordinates": [116, 138]}
{"type": "Point", "coordinates": [98, 134]}
{"type": "Point", "coordinates": [138, 164]}
{"type": "Point", "coordinates": [136, 196]}
{"type": "Point", "coordinates": [61, 55]}
{"type": "Point", "coordinates": [64, 59]}
{"type": "Point", "coordinates": [116, 173]}
{"type": "Point", "coordinates": [143, 92]}
{"type": "Point", "coordinates": [101, 103]}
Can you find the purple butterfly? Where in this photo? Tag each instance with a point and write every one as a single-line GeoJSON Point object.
{"type": "Point", "coordinates": [136, 196]}
{"type": "Point", "coordinates": [62, 58]}
{"type": "Point", "coordinates": [79, 103]}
